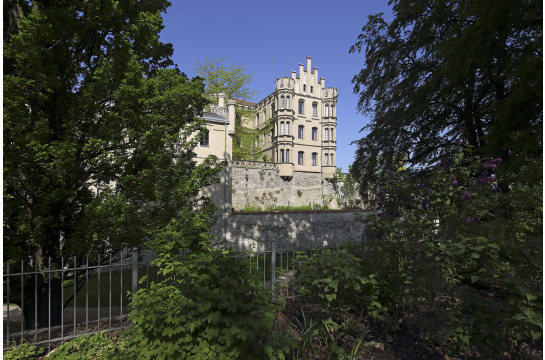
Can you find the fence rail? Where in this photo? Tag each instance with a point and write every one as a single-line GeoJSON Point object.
{"type": "Point", "coordinates": [74, 273]}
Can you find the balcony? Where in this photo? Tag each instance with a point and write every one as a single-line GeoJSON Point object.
{"type": "Point", "coordinates": [329, 172]}
{"type": "Point", "coordinates": [285, 170]}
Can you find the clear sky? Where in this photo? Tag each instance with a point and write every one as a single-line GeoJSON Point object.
{"type": "Point", "coordinates": [255, 33]}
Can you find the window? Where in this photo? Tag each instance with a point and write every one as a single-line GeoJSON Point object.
{"type": "Point", "coordinates": [205, 140]}
{"type": "Point", "coordinates": [281, 128]}
{"type": "Point", "coordinates": [331, 133]}
{"type": "Point", "coordinates": [314, 155]}
{"type": "Point", "coordinates": [287, 102]}
{"type": "Point", "coordinates": [287, 128]}
{"type": "Point", "coordinates": [326, 134]}
{"type": "Point", "coordinates": [300, 158]}
{"type": "Point", "coordinates": [314, 109]}
{"type": "Point", "coordinates": [281, 155]}
{"type": "Point", "coordinates": [314, 133]}
{"type": "Point", "coordinates": [304, 87]}
{"type": "Point", "coordinates": [282, 102]}
{"type": "Point", "coordinates": [327, 110]}
{"type": "Point", "coordinates": [311, 89]}
{"type": "Point", "coordinates": [301, 106]}
{"type": "Point", "coordinates": [332, 111]}
{"type": "Point", "coordinates": [300, 132]}
{"type": "Point", "coordinates": [272, 109]}
{"type": "Point", "coordinates": [331, 158]}
{"type": "Point", "coordinates": [257, 119]}
{"type": "Point", "coordinates": [326, 160]}
{"type": "Point", "coordinates": [287, 155]}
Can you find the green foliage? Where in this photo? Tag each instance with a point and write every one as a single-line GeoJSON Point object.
{"type": "Point", "coordinates": [232, 81]}
{"type": "Point", "coordinates": [335, 279]}
{"type": "Point", "coordinates": [88, 347]}
{"type": "Point", "coordinates": [23, 351]}
{"type": "Point", "coordinates": [299, 193]}
{"type": "Point", "coordinates": [456, 255]}
{"type": "Point", "coordinates": [445, 70]}
{"type": "Point", "coordinates": [209, 308]}
{"type": "Point", "coordinates": [252, 208]}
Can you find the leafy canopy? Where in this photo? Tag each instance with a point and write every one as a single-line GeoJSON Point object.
{"type": "Point", "coordinates": [446, 70]}
{"type": "Point", "coordinates": [98, 129]}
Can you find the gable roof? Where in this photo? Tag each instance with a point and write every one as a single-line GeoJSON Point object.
{"type": "Point", "coordinates": [246, 103]}
{"type": "Point", "coordinates": [208, 116]}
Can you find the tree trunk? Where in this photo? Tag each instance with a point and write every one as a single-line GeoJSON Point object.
{"type": "Point", "coordinates": [43, 304]}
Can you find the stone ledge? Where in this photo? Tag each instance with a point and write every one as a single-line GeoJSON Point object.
{"type": "Point", "coordinates": [299, 211]}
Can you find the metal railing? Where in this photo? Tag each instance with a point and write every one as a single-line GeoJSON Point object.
{"type": "Point", "coordinates": [283, 292]}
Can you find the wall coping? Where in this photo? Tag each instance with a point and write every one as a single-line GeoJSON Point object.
{"type": "Point", "coordinates": [299, 211]}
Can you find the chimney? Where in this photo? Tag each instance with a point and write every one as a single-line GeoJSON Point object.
{"type": "Point", "coordinates": [231, 127]}
{"type": "Point", "coordinates": [308, 68]}
{"type": "Point", "coordinates": [221, 100]}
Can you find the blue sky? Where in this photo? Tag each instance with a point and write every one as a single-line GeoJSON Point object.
{"type": "Point", "coordinates": [256, 33]}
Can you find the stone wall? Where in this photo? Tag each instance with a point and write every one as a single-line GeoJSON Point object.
{"type": "Point", "coordinates": [260, 183]}
{"type": "Point", "coordinates": [291, 230]}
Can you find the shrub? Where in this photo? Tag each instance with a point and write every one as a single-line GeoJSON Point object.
{"type": "Point", "coordinates": [23, 351]}
{"type": "Point", "coordinates": [457, 254]}
{"type": "Point", "coordinates": [209, 308]}
{"type": "Point", "coordinates": [88, 347]}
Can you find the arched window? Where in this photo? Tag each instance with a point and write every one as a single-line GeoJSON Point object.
{"type": "Point", "coordinates": [331, 130]}
{"type": "Point", "coordinates": [282, 102]}
{"type": "Point", "coordinates": [326, 160]}
{"type": "Point", "coordinates": [331, 159]}
{"type": "Point", "coordinates": [332, 110]}
{"type": "Point", "coordinates": [300, 158]}
{"type": "Point", "coordinates": [281, 155]}
{"type": "Point", "coordinates": [314, 109]}
{"type": "Point", "coordinates": [301, 106]}
{"type": "Point", "coordinates": [304, 87]}
{"type": "Point", "coordinates": [272, 109]}
{"type": "Point", "coordinates": [287, 128]}
{"type": "Point", "coordinates": [300, 132]}
{"type": "Point", "coordinates": [314, 133]}
{"type": "Point", "coordinates": [327, 110]}
{"type": "Point", "coordinates": [314, 156]}
{"type": "Point", "coordinates": [287, 155]}
{"type": "Point", "coordinates": [311, 88]}
{"type": "Point", "coordinates": [281, 128]}
{"type": "Point", "coordinates": [326, 134]}
{"type": "Point", "coordinates": [287, 102]}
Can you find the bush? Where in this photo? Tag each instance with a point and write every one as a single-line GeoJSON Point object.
{"type": "Point", "coordinates": [458, 255]}
{"type": "Point", "coordinates": [88, 347]}
{"type": "Point", "coordinates": [22, 352]}
{"type": "Point", "coordinates": [209, 308]}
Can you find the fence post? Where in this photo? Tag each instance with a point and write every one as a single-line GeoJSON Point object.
{"type": "Point", "coordinates": [273, 267]}
{"type": "Point", "coordinates": [134, 272]}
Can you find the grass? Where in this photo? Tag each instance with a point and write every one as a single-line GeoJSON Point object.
{"type": "Point", "coordinates": [285, 208]}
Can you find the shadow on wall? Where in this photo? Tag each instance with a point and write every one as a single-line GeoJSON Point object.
{"type": "Point", "coordinates": [291, 230]}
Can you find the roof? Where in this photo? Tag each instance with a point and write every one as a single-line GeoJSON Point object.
{"type": "Point", "coordinates": [208, 116]}
{"type": "Point", "coordinates": [244, 102]}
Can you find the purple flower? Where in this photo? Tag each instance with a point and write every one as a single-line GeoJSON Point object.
{"type": "Point", "coordinates": [425, 204]}
{"type": "Point", "coordinates": [467, 195]}
{"type": "Point", "coordinates": [488, 165]}
{"type": "Point", "coordinates": [496, 161]}
{"type": "Point", "coordinates": [430, 189]}
{"type": "Point", "coordinates": [381, 194]}
{"type": "Point", "coordinates": [392, 173]}
{"type": "Point", "coordinates": [458, 141]}
{"type": "Point", "coordinates": [455, 183]}
{"type": "Point", "coordinates": [470, 220]}
{"type": "Point", "coordinates": [421, 186]}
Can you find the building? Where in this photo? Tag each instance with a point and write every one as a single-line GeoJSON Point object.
{"type": "Point", "coordinates": [303, 139]}
{"type": "Point", "coordinates": [220, 125]}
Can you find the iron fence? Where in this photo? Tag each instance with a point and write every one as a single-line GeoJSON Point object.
{"type": "Point", "coordinates": [280, 289]}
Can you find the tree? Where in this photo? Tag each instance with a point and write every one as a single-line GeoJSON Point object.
{"type": "Point", "coordinates": [233, 82]}
{"type": "Point", "coordinates": [93, 118]}
{"type": "Point", "coordinates": [442, 71]}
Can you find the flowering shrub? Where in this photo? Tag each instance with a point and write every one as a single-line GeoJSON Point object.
{"type": "Point", "coordinates": [455, 254]}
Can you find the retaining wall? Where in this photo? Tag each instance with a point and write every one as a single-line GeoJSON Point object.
{"type": "Point", "coordinates": [291, 230]}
